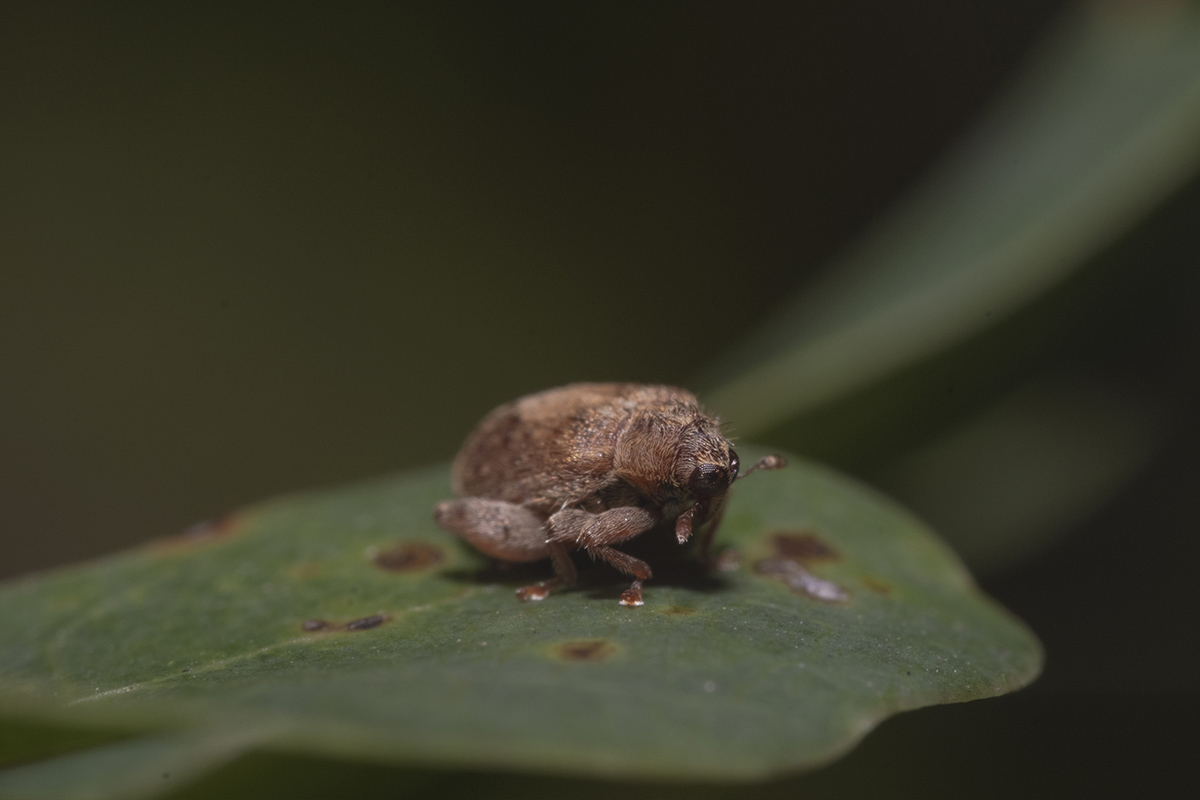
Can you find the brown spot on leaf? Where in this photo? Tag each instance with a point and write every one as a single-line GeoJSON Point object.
{"type": "Point", "coordinates": [876, 586]}
{"type": "Point", "coordinates": [802, 546]}
{"type": "Point", "coordinates": [585, 650]}
{"type": "Point", "coordinates": [679, 611]}
{"type": "Point", "coordinates": [306, 570]}
{"type": "Point", "coordinates": [730, 560]}
{"type": "Point", "coordinates": [409, 557]}
{"type": "Point", "coordinates": [797, 578]}
{"type": "Point", "coordinates": [360, 624]}
{"type": "Point", "coordinates": [366, 623]}
{"type": "Point", "coordinates": [199, 535]}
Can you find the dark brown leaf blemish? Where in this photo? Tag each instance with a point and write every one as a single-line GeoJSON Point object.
{"type": "Point", "coordinates": [795, 551]}
{"type": "Point", "coordinates": [585, 650]}
{"type": "Point", "coordinates": [366, 623]}
{"type": "Point", "coordinates": [803, 546]}
{"type": "Point", "coordinates": [409, 557]}
{"type": "Point", "coordinates": [360, 624]}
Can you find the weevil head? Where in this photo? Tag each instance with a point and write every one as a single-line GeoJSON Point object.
{"type": "Point", "coordinates": [706, 463]}
{"type": "Point", "coordinates": [676, 457]}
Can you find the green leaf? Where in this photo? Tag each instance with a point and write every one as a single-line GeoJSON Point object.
{"type": "Point", "coordinates": [135, 768]}
{"type": "Point", "coordinates": [1061, 445]}
{"type": "Point", "coordinates": [1102, 127]}
{"type": "Point", "coordinates": [345, 623]}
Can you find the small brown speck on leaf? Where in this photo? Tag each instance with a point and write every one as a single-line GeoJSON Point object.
{"type": "Point", "coordinates": [585, 650]}
{"type": "Point", "coordinates": [730, 560]}
{"type": "Point", "coordinates": [679, 611]}
{"type": "Point", "coordinates": [803, 546]}
{"type": "Point", "coordinates": [200, 534]}
{"type": "Point", "coordinates": [360, 624]}
{"type": "Point", "coordinates": [876, 586]}
{"type": "Point", "coordinates": [305, 570]}
{"type": "Point", "coordinates": [409, 557]}
{"type": "Point", "coordinates": [366, 623]}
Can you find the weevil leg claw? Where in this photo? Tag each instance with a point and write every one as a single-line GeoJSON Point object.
{"type": "Point", "coordinates": [536, 591]}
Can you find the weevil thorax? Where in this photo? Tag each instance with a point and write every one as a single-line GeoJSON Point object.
{"type": "Point", "coordinates": [674, 455]}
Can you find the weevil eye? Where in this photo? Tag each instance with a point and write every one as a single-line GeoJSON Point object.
{"type": "Point", "coordinates": [733, 465]}
{"type": "Point", "coordinates": [709, 479]}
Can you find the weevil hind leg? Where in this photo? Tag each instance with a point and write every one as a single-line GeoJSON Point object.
{"type": "Point", "coordinates": [564, 567]}
{"type": "Point", "coordinates": [502, 530]}
{"type": "Point", "coordinates": [507, 533]}
{"type": "Point", "coordinates": [564, 575]}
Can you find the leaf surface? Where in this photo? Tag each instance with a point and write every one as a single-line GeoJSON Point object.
{"type": "Point", "coordinates": [345, 623]}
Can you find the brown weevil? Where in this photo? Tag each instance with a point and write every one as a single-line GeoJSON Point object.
{"type": "Point", "coordinates": [588, 466]}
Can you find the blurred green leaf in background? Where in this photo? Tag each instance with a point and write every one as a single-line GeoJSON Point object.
{"type": "Point", "coordinates": [1102, 127]}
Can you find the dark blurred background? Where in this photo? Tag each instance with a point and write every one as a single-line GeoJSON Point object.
{"type": "Point", "coordinates": [252, 249]}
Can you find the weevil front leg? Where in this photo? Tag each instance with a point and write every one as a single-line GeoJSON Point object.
{"type": "Point", "coordinates": [596, 533]}
{"type": "Point", "coordinates": [508, 532]}
{"type": "Point", "coordinates": [714, 514]}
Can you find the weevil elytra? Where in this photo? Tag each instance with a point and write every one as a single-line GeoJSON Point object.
{"type": "Point", "coordinates": [588, 466]}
